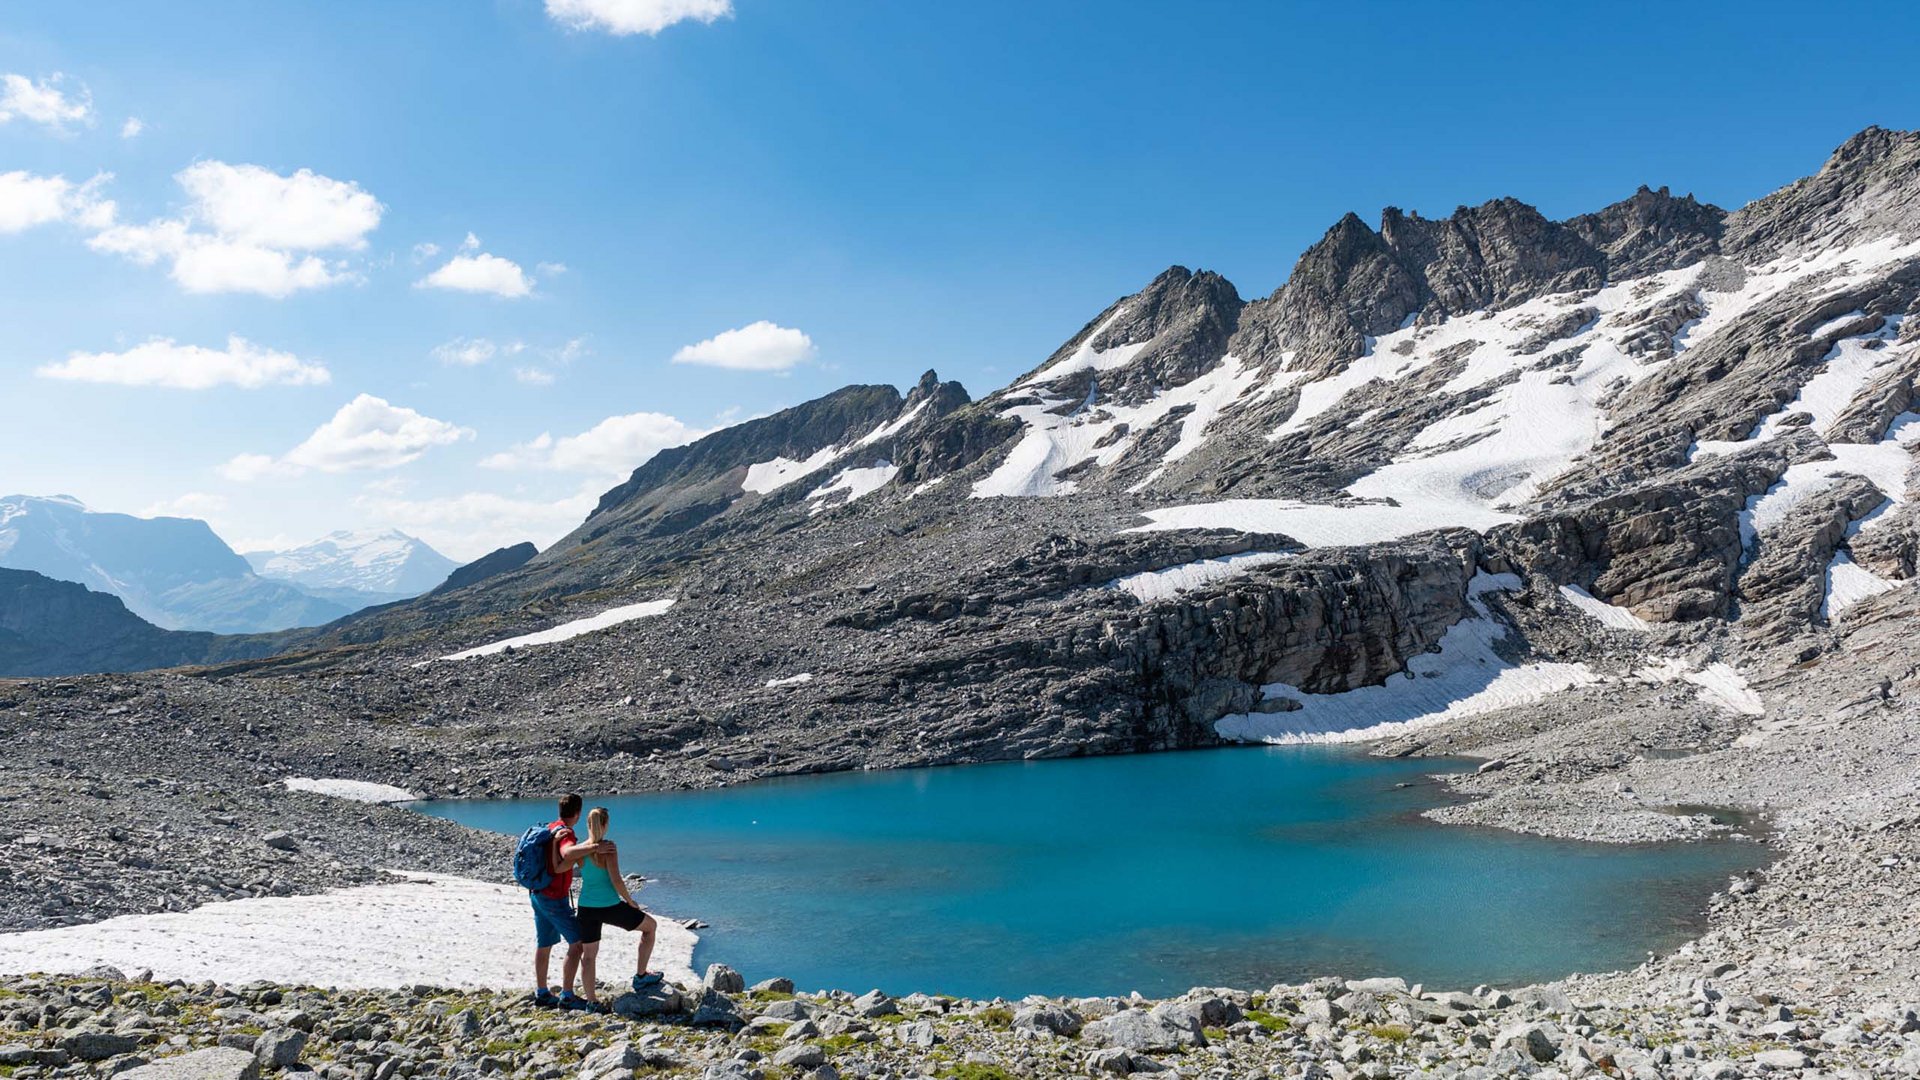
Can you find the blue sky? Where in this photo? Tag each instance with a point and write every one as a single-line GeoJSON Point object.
{"type": "Point", "coordinates": [863, 190]}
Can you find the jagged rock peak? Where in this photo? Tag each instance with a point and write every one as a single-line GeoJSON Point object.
{"type": "Point", "coordinates": [1651, 230]}
{"type": "Point", "coordinates": [1868, 188]}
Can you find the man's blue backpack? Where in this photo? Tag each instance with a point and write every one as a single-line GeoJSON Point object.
{"type": "Point", "coordinates": [533, 858]}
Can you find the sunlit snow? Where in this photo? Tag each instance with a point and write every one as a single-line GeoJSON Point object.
{"type": "Point", "coordinates": [566, 630]}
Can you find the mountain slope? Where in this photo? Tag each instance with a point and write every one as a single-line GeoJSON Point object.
{"type": "Point", "coordinates": [173, 572]}
{"type": "Point", "coordinates": [1659, 445]}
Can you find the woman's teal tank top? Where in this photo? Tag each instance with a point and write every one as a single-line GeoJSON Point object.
{"type": "Point", "coordinates": [596, 887]}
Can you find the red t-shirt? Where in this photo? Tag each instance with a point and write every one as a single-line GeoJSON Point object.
{"type": "Point", "coordinates": [562, 884]}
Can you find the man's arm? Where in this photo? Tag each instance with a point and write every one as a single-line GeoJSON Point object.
{"type": "Point", "coordinates": [572, 854]}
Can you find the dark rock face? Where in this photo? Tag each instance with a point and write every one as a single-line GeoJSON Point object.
{"type": "Point", "coordinates": [50, 627]}
{"type": "Point", "coordinates": [498, 561]}
{"type": "Point", "coordinates": [1669, 551]}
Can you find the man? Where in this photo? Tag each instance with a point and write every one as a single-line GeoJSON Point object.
{"type": "Point", "coordinates": [553, 916]}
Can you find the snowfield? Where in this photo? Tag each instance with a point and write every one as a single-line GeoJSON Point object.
{"type": "Point", "coordinates": [429, 929]}
{"type": "Point", "coordinates": [1617, 617]}
{"type": "Point", "coordinates": [611, 617]}
{"type": "Point", "coordinates": [1166, 583]}
{"type": "Point", "coordinates": [351, 790]}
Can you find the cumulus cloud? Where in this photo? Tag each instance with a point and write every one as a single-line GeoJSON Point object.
{"type": "Point", "coordinates": [625, 17]}
{"type": "Point", "coordinates": [28, 200]}
{"type": "Point", "coordinates": [164, 362]}
{"type": "Point", "coordinates": [43, 102]}
{"type": "Point", "coordinates": [469, 525]}
{"type": "Point", "coordinates": [482, 273]}
{"type": "Point", "coordinates": [759, 346]}
{"type": "Point", "coordinates": [613, 447]}
{"type": "Point", "coordinates": [249, 229]}
{"type": "Point", "coordinates": [245, 468]}
{"type": "Point", "coordinates": [132, 127]}
{"type": "Point", "coordinates": [367, 433]}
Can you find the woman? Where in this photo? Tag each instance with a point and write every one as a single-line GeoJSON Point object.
{"type": "Point", "coordinates": [604, 901]}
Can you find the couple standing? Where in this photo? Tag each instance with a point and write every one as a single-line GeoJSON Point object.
{"type": "Point", "coordinates": [604, 901]}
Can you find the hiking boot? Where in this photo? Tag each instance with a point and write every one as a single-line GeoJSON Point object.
{"type": "Point", "coordinates": [571, 1000]}
{"type": "Point", "coordinates": [543, 999]}
{"type": "Point", "coordinates": [641, 983]}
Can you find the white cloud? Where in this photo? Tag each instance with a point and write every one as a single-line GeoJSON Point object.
{"type": "Point", "coordinates": [482, 273]}
{"type": "Point", "coordinates": [613, 447]}
{"type": "Point", "coordinates": [244, 468]}
{"type": "Point", "coordinates": [43, 102]}
{"type": "Point", "coordinates": [533, 376]}
{"type": "Point", "coordinates": [471, 352]}
{"type": "Point", "coordinates": [27, 200]}
{"type": "Point", "coordinates": [469, 525]}
{"type": "Point", "coordinates": [162, 362]}
{"type": "Point", "coordinates": [425, 250]}
{"type": "Point", "coordinates": [550, 269]}
{"type": "Point", "coordinates": [367, 433]}
{"type": "Point", "coordinates": [249, 229]}
{"type": "Point", "coordinates": [132, 128]}
{"type": "Point", "coordinates": [624, 17]}
{"type": "Point", "coordinates": [194, 504]}
{"type": "Point", "coordinates": [759, 346]}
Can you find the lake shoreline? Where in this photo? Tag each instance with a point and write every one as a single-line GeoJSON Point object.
{"type": "Point", "coordinates": [102, 818]}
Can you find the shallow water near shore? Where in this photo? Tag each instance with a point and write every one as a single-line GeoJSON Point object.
{"type": "Point", "coordinates": [1152, 872]}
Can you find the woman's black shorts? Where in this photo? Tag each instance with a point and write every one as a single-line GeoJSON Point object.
{"type": "Point", "coordinates": [624, 916]}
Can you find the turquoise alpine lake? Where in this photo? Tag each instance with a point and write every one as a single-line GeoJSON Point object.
{"type": "Point", "coordinates": [1150, 872]}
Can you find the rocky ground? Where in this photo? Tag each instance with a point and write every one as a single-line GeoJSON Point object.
{"type": "Point", "coordinates": [112, 1024]}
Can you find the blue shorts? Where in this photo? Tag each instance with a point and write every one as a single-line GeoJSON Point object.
{"type": "Point", "coordinates": [553, 920]}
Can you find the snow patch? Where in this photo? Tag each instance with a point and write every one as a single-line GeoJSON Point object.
{"type": "Point", "coordinates": [1848, 583]}
{"type": "Point", "coordinates": [1465, 678]}
{"type": "Point", "coordinates": [857, 483]}
{"type": "Point", "coordinates": [611, 617]}
{"type": "Point", "coordinates": [791, 680]}
{"type": "Point", "coordinates": [1057, 439]}
{"type": "Point", "coordinates": [1617, 617]}
{"type": "Point", "coordinates": [432, 928]}
{"type": "Point", "coordinates": [1163, 584]}
{"type": "Point", "coordinates": [352, 790]}
{"type": "Point", "coordinates": [765, 476]}
{"type": "Point", "coordinates": [1720, 684]}
{"type": "Point", "coordinates": [1321, 524]}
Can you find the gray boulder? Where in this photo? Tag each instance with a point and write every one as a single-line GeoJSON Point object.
{"type": "Point", "coordinates": [1112, 1060]}
{"type": "Point", "coordinates": [213, 1063]}
{"type": "Point", "coordinates": [622, 1058]}
{"type": "Point", "coordinates": [775, 985]}
{"type": "Point", "coordinates": [919, 1034]}
{"type": "Point", "coordinates": [98, 1045]}
{"type": "Point", "coordinates": [656, 1000]}
{"type": "Point", "coordinates": [281, 840]}
{"type": "Point", "coordinates": [786, 1010]}
{"type": "Point", "coordinates": [800, 1056]}
{"type": "Point", "coordinates": [717, 1010]}
{"type": "Point", "coordinates": [1047, 1019]}
{"type": "Point", "coordinates": [280, 1049]}
{"type": "Point", "coordinates": [874, 1003]}
{"type": "Point", "coordinates": [724, 979]}
{"type": "Point", "coordinates": [1533, 1040]}
{"type": "Point", "coordinates": [1141, 1029]}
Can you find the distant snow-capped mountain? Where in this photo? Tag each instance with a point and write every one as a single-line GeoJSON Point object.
{"type": "Point", "coordinates": [173, 572]}
{"type": "Point", "coordinates": [388, 563]}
